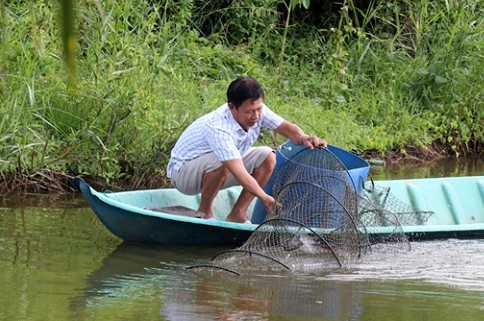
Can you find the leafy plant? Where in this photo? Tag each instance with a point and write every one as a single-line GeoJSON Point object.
{"type": "Point", "coordinates": [366, 75]}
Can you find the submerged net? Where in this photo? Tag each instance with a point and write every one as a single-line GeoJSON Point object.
{"type": "Point", "coordinates": [322, 221]}
{"type": "Point", "coordinates": [318, 215]}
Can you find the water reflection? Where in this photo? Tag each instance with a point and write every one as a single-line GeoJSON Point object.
{"type": "Point", "coordinates": [452, 263]}
{"type": "Point", "coordinates": [156, 273]}
{"type": "Point", "coordinates": [43, 251]}
{"type": "Point", "coordinates": [134, 261]}
{"type": "Point", "coordinates": [308, 298]}
{"type": "Point", "coordinates": [449, 167]}
{"type": "Point", "coordinates": [151, 280]}
{"type": "Point", "coordinates": [55, 201]}
{"type": "Point", "coordinates": [58, 262]}
{"type": "Point", "coordinates": [260, 297]}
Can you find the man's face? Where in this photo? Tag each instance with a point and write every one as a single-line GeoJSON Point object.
{"type": "Point", "coordinates": [248, 113]}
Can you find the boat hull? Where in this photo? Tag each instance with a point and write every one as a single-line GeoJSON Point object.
{"type": "Point", "coordinates": [137, 225]}
{"type": "Point", "coordinates": [457, 205]}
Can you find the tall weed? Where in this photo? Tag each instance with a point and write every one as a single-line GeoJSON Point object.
{"type": "Point", "coordinates": [373, 76]}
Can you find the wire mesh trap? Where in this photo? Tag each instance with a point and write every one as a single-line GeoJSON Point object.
{"type": "Point", "coordinates": [322, 221]}
{"type": "Point", "coordinates": [383, 215]}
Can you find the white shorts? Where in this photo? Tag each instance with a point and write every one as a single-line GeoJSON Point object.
{"type": "Point", "coordinates": [188, 179]}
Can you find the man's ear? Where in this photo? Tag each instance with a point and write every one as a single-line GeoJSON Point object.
{"type": "Point", "coordinates": [231, 106]}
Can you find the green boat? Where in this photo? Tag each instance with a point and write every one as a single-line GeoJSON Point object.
{"type": "Point", "coordinates": [170, 217]}
{"type": "Point", "coordinates": [457, 204]}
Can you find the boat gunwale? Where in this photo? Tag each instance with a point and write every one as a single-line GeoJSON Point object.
{"type": "Point", "coordinates": [425, 231]}
{"type": "Point", "coordinates": [104, 197]}
{"type": "Point", "coordinates": [371, 230]}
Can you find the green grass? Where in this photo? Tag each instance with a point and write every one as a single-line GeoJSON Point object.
{"type": "Point", "coordinates": [377, 78]}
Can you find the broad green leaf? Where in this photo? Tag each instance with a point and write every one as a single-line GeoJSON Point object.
{"type": "Point", "coordinates": [440, 79]}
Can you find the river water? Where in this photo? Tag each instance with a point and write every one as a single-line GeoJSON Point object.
{"type": "Point", "coordinates": [58, 262]}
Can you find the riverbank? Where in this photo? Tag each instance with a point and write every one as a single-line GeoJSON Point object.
{"type": "Point", "coordinates": [399, 81]}
{"type": "Point", "coordinates": [55, 182]}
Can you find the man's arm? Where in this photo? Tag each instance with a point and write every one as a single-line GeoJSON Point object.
{"type": "Point", "coordinates": [237, 168]}
{"type": "Point", "coordinates": [298, 137]}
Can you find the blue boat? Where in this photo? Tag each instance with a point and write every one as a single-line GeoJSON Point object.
{"type": "Point", "coordinates": [169, 217]}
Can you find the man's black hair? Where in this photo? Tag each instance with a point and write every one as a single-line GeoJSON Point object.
{"type": "Point", "coordinates": [244, 88]}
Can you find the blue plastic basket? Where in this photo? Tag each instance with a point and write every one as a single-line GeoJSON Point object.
{"type": "Point", "coordinates": [356, 167]}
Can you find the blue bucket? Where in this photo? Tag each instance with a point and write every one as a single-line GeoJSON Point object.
{"type": "Point", "coordinates": [356, 166]}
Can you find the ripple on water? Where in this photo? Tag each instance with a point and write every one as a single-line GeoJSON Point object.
{"type": "Point", "coordinates": [454, 263]}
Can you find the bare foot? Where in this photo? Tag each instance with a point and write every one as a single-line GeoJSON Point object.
{"type": "Point", "coordinates": [207, 216]}
{"type": "Point", "coordinates": [237, 218]}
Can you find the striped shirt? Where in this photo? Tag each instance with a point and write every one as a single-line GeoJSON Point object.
{"type": "Point", "coordinates": [219, 132]}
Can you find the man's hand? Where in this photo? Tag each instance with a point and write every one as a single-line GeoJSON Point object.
{"type": "Point", "coordinates": [312, 142]}
{"type": "Point", "coordinates": [269, 202]}
{"type": "Point", "coordinates": [297, 136]}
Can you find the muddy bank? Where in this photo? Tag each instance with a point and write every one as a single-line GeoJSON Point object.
{"type": "Point", "coordinates": [50, 181]}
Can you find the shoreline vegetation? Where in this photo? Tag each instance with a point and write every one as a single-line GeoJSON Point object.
{"type": "Point", "coordinates": [103, 89]}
